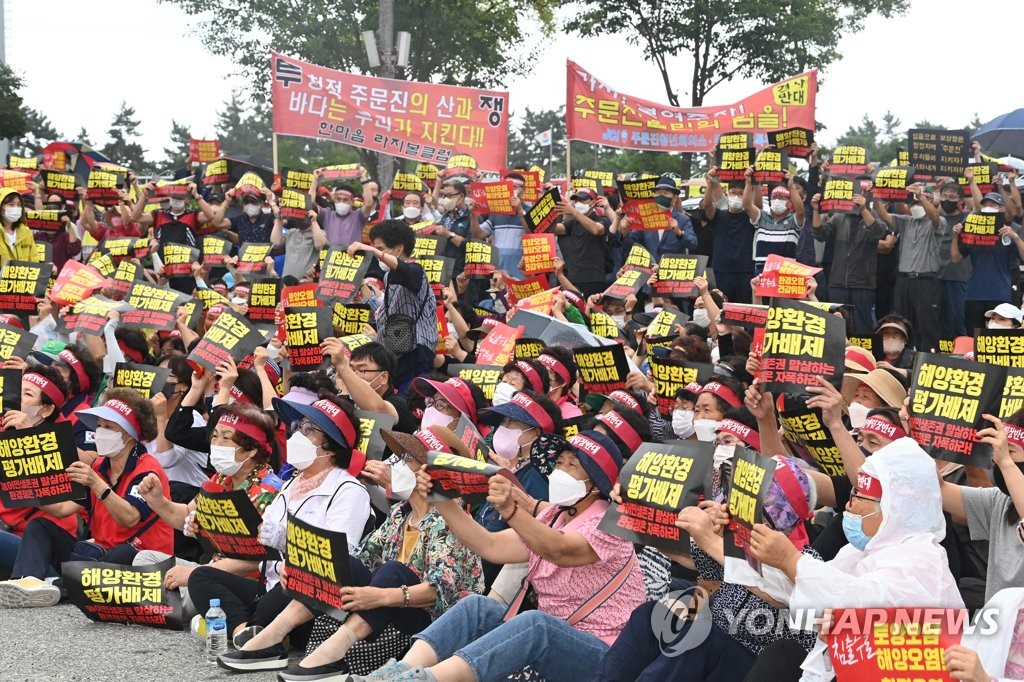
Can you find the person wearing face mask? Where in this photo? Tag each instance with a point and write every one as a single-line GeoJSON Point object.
{"type": "Point", "coordinates": [366, 378]}
{"type": "Point", "coordinates": [120, 522]}
{"type": "Point", "coordinates": [570, 563]}
{"type": "Point", "coordinates": [895, 512]}
{"type": "Point", "coordinates": [738, 429]}
{"type": "Point", "coordinates": [920, 231]}
{"type": "Point", "coordinates": [990, 282]}
{"type": "Point", "coordinates": [114, 221]}
{"type": "Point", "coordinates": [342, 221]}
{"type": "Point", "coordinates": [302, 244]}
{"type": "Point", "coordinates": [447, 401]}
{"type": "Point", "coordinates": [583, 240]}
{"type": "Point", "coordinates": [895, 332]}
{"type": "Point", "coordinates": [241, 444]}
{"type": "Point", "coordinates": [42, 390]}
{"type": "Point", "coordinates": [562, 373]}
{"type": "Point", "coordinates": [83, 375]}
{"type": "Point", "coordinates": [325, 493]}
{"type": "Point", "coordinates": [683, 412]}
{"type": "Point", "coordinates": [715, 398]}
{"type": "Point", "coordinates": [65, 243]}
{"type": "Point", "coordinates": [520, 375]}
{"type": "Point", "coordinates": [1004, 316]}
{"type": "Point", "coordinates": [251, 225]}
{"type": "Point", "coordinates": [852, 275]}
{"type": "Point", "coordinates": [506, 231]}
{"type": "Point", "coordinates": [412, 562]}
{"type": "Point", "coordinates": [457, 222]}
{"type": "Point", "coordinates": [732, 237]}
{"type": "Point", "coordinates": [414, 212]}
{"type": "Point", "coordinates": [18, 243]}
{"type": "Point", "coordinates": [776, 231]}
{"type": "Point", "coordinates": [953, 277]}
{"type": "Point", "coordinates": [679, 237]}
{"type": "Point", "coordinates": [864, 392]}
{"type": "Point", "coordinates": [409, 304]}
{"type": "Point", "coordinates": [729, 650]}
{"type": "Point", "coordinates": [992, 513]}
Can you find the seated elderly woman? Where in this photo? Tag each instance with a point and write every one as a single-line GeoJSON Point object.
{"type": "Point", "coordinates": [587, 582]}
{"type": "Point", "coordinates": [894, 524]}
{"type": "Point", "coordinates": [120, 523]}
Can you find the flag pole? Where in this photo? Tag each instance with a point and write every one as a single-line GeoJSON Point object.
{"type": "Point", "coordinates": [273, 144]}
{"type": "Point", "coordinates": [551, 152]}
{"type": "Point", "coordinates": [568, 158]}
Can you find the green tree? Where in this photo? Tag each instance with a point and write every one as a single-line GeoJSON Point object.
{"type": "Point", "coordinates": [122, 148]}
{"type": "Point", "coordinates": [523, 148]}
{"type": "Point", "coordinates": [244, 132]}
{"type": "Point", "coordinates": [84, 137]}
{"type": "Point", "coordinates": [40, 132]}
{"type": "Point", "coordinates": [881, 141]}
{"type": "Point", "coordinates": [177, 153]}
{"type": "Point", "coordinates": [13, 122]}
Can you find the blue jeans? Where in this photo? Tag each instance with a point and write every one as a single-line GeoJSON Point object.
{"type": "Point", "coordinates": [954, 295]}
{"type": "Point", "coordinates": [862, 300]}
{"type": "Point", "coordinates": [474, 631]}
{"type": "Point", "coordinates": [9, 545]}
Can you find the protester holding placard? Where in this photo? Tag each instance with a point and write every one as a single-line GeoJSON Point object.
{"type": "Point", "coordinates": [405, 574]}
{"type": "Point", "coordinates": [562, 374]}
{"type": "Point", "coordinates": [325, 494]}
{"type": "Point", "coordinates": [302, 244]}
{"type": "Point", "coordinates": [241, 445]}
{"type": "Point", "coordinates": [895, 512]}
{"type": "Point", "coordinates": [113, 222]}
{"type": "Point", "coordinates": [990, 283]}
{"type": "Point", "coordinates": [83, 375]}
{"type": "Point", "coordinates": [401, 325]}
{"type": "Point", "coordinates": [365, 375]}
{"type": "Point", "coordinates": [727, 652]}
{"type": "Point", "coordinates": [583, 240]}
{"type": "Point", "coordinates": [779, 232]}
{"type": "Point", "coordinates": [64, 240]}
{"type": "Point", "coordinates": [448, 401]}
{"type": "Point", "coordinates": [732, 237]}
{"type": "Point", "coordinates": [506, 231]}
{"type": "Point", "coordinates": [17, 243]}
{"type": "Point", "coordinates": [953, 276]}
{"type": "Point", "coordinates": [343, 222]}
{"type": "Point", "coordinates": [120, 522]}
{"type": "Point", "coordinates": [571, 563]}
{"type": "Point", "coordinates": [852, 276]}
{"type": "Point", "coordinates": [895, 331]}
{"type": "Point", "coordinates": [252, 225]}
{"type": "Point", "coordinates": [457, 222]}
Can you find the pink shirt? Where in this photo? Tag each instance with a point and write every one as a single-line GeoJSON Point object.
{"type": "Point", "coordinates": [560, 591]}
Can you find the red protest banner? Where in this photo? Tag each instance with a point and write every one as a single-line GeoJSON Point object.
{"type": "Point", "coordinates": [519, 289]}
{"type": "Point", "coordinates": [784, 278]}
{"type": "Point", "coordinates": [538, 253]}
{"type": "Point", "coordinates": [203, 151]}
{"type": "Point", "coordinates": [644, 214]}
{"type": "Point", "coordinates": [492, 197]}
{"type": "Point", "coordinates": [597, 113]}
{"type": "Point", "coordinates": [420, 121]}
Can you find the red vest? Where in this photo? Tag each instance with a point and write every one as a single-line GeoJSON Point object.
{"type": "Point", "coordinates": [108, 533]}
{"type": "Point", "coordinates": [17, 517]}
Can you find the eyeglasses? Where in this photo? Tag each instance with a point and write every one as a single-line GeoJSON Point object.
{"type": "Point", "coordinates": [305, 427]}
{"type": "Point", "coordinates": [368, 370]}
{"type": "Point", "coordinates": [856, 493]}
{"type": "Point", "coordinates": [449, 194]}
{"type": "Point", "coordinates": [439, 403]}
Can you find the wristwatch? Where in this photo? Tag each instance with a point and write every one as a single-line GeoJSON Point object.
{"type": "Point", "coordinates": [105, 494]}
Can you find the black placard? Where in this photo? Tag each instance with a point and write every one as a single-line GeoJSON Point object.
{"type": "Point", "coordinates": [229, 521]}
{"type": "Point", "coordinates": [305, 329]}
{"type": "Point", "coordinates": [33, 464]}
{"type": "Point", "coordinates": [317, 563]}
{"type": "Point", "coordinates": [146, 379]}
{"type": "Point", "coordinates": [111, 593]}
{"type": "Point", "coordinates": [801, 343]}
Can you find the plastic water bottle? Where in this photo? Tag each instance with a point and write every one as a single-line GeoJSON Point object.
{"type": "Point", "coordinates": [216, 631]}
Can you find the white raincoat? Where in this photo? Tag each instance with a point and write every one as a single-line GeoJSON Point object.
{"type": "Point", "coordinates": [902, 565]}
{"type": "Point", "coordinates": [993, 649]}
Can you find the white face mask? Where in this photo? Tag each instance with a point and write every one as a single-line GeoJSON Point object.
{"type": "Point", "coordinates": [682, 423]}
{"type": "Point", "coordinates": [989, 209]}
{"type": "Point", "coordinates": [411, 212]}
{"type": "Point", "coordinates": [177, 205]}
{"type": "Point", "coordinates": [503, 393]}
{"type": "Point", "coordinates": [705, 429]}
{"type": "Point", "coordinates": [108, 441]}
{"type": "Point", "coordinates": [222, 459]}
{"type": "Point", "coordinates": [301, 451]}
{"type": "Point", "coordinates": [723, 454]}
{"type": "Point", "coordinates": [701, 317]}
{"type": "Point", "coordinates": [266, 210]}
{"type": "Point", "coordinates": [342, 207]}
{"type": "Point", "coordinates": [450, 203]}
{"type": "Point", "coordinates": [994, 324]}
{"type": "Point", "coordinates": [620, 320]}
{"type": "Point", "coordinates": [779, 206]}
{"type": "Point", "coordinates": [403, 481]}
{"type": "Point", "coordinates": [581, 207]}
{"type": "Point", "coordinates": [434, 417]}
{"type": "Point", "coordinates": [858, 414]}
{"type": "Point", "coordinates": [917, 211]}
{"type": "Point", "coordinates": [734, 203]}
{"type": "Point", "coordinates": [12, 213]}
{"type": "Point", "coordinates": [273, 352]}
{"type": "Point", "coordinates": [893, 346]}
{"type": "Point", "coordinates": [251, 210]}
{"type": "Point", "coordinates": [564, 490]}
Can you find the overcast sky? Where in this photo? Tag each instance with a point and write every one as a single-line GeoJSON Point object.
{"type": "Point", "coordinates": [84, 83]}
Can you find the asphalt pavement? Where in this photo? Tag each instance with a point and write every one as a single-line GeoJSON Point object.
{"type": "Point", "coordinates": [59, 644]}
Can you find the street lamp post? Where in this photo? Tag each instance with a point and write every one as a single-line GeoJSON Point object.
{"type": "Point", "coordinates": [387, 61]}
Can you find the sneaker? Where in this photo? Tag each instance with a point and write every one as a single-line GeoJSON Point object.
{"type": "Point", "coordinates": [28, 592]}
{"type": "Point", "coordinates": [245, 634]}
{"type": "Point", "coordinates": [272, 658]}
{"type": "Point", "coordinates": [416, 674]}
{"type": "Point", "coordinates": [199, 627]}
{"type": "Point", "coordinates": [333, 672]}
{"type": "Point", "coordinates": [387, 672]}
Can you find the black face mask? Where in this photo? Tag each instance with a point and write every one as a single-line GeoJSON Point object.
{"type": "Point", "coordinates": [997, 477]}
{"type": "Point", "coordinates": [949, 206]}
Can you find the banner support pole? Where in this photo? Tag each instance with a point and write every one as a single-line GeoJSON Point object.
{"type": "Point", "coordinates": [568, 159]}
{"type": "Point", "coordinates": [273, 144]}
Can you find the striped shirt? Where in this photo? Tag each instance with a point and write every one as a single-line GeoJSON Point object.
{"type": "Point", "coordinates": [408, 293]}
{"type": "Point", "coordinates": [772, 236]}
